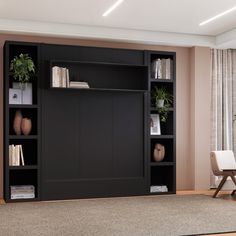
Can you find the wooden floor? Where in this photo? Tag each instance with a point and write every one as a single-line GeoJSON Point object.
{"type": "Point", "coordinates": [225, 196]}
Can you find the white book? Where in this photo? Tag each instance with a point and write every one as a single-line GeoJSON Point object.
{"type": "Point", "coordinates": [171, 69]}
{"type": "Point", "coordinates": [163, 68]}
{"type": "Point", "coordinates": [14, 163]}
{"type": "Point", "coordinates": [158, 188]}
{"type": "Point", "coordinates": [10, 155]}
{"type": "Point", "coordinates": [22, 196]}
{"type": "Point", "coordinates": [17, 148]}
{"type": "Point", "coordinates": [56, 76]}
{"type": "Point", "coordinates": [159, 72]}
{"type": "Point", "coordinates": [63, 77]}
{"type": "Point", "coordinates": [22, 191]}
{"type": "Point", "coordinates": [168, 68]}
{"type": "Point", "coordinates": [13, 159]}
{"type": "Point", "coordinates": [22, 156]}
{"type": "Point", "coordinates": [67, 78]}
{"type": "Point", "coordinates": [22, 187]}
{"type": "Point", "coordinates": [78, 84]}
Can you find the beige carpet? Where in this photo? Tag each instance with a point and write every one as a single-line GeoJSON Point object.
{"type": "Point", "coordinates": [131, 216]}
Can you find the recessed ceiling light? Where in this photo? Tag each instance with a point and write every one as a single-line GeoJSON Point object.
{"type": "Point", "coordinates": [218, 16]}
{"type": "Point", "coordinates": [115, 5]}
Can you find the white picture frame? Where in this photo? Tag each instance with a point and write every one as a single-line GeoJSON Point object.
{"type": "Point", "coordinates": [155, 126]}
{"type": "Point", "coordinates": [26, 92]}
{"type": "Point", "coordinates": [15, 96]}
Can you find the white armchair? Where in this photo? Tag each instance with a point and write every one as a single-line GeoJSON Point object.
{"type": "Point", "coordinates": [223, 164]}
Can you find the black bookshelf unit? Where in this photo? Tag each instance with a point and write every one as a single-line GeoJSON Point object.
{"type": "Point", "coordinates": [162, 173]}
{"type": "Point", "coordinates": [29, 173]}
{"type": "Point", "coordinates": [91, 142]}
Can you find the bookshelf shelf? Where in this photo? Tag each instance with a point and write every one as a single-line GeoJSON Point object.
{"type": "Point", "coordinates": [22, 106]}
{"type": "Point", "coordinates": [155, 109]}
{"type": "Point", "coordinates": [161, 136]}
{"type": "Point", "coordinates": [161, 80]}
{"type": "Point", "coordinates": [24, 200]}
{"type": "Point", "coordinates": [26, 167]}
{"type": "Point", "coordinates": [69, 62]}
{"type": "Point", "coordinates": [162, 163]}
{"type": "Point", "coordinates": [163, 193]}
{"type": "Point", "coordinates": [23, 137]}
{"type": "Point", "coordinates": [100, 89]}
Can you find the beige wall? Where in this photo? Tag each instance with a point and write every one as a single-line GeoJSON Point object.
{"type": "Point", "coordinates": [183, 128]}
{"type": "Point", "coordinates": [200, 117]}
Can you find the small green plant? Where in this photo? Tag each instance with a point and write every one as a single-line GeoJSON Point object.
{"type": "Point", "coordinates": [158, 95]}
{"type": "Point", "coordinates": [22, 67]}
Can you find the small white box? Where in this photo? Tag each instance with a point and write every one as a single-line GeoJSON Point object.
{"type": "Point", "coordinates": [26, 92]}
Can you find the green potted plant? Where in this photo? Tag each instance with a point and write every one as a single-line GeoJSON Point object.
{"type": "Point", "coordinates": [163, 100]}
{"type": "Point", "coordinates": [22, 67]}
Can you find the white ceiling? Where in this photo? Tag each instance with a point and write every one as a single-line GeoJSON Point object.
{"type": "Point", "coordinates": [150, 21]}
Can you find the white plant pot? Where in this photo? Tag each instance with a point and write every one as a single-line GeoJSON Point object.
{"type": "Point", "coordinates": [160, 103]}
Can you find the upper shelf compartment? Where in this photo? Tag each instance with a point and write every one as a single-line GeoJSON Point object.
{"type": "Point", "coordinates": [25, 48]}
{"type": "Point", "coordinates": [99, 75]}
{"type": "Point", "coordinates": [162, 67]}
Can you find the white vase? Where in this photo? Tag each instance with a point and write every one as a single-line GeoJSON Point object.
{"type": "Point", "coordinates": [160, 103]}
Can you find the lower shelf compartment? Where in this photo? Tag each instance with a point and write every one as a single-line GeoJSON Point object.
{"type": "Point", "coordinates": [29, 148]}
{"type": "Point", "coordinates": [25, 177]}
{"type": "Point", "coordinates": [162, 179]}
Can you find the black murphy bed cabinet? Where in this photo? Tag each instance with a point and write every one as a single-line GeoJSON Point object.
{"type": "Point", "coordinates": [93, 142]}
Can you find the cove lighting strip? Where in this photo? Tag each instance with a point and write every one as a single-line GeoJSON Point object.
{"type": "Point", "coordinates": [218, 16]}
{"type": "Point", "coordinates": [115, 5]}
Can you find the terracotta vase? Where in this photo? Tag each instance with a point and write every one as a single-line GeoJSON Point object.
{"type": "Point", "coordinates": [17, 122]}
{"type": "Point", "coordinates": [26, 126]}
{"type": "Point", "coordinates": [159, 152]}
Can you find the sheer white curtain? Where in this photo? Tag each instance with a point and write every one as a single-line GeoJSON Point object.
{"type": "Point", "coordinates": [223, 101]}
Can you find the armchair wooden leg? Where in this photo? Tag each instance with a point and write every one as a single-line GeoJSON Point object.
{"type": "Point", "coordinates": [233, 178]}
{"type": "Point", "coordinates": [220, 186]}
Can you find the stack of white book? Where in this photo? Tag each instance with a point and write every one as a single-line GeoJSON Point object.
{"type": "Point", "coordinates": [162, 68]}
{"type": "Point", "coordinates": [16, 157]}
{"type": "Point", "coordinates": [78, 84]}
{"type": "Point", "coordinates": [22, 191]}
{"type": "Point", "coordinates": [60, 77]}
{"type": "Point", "coordinates": [158, 188]}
